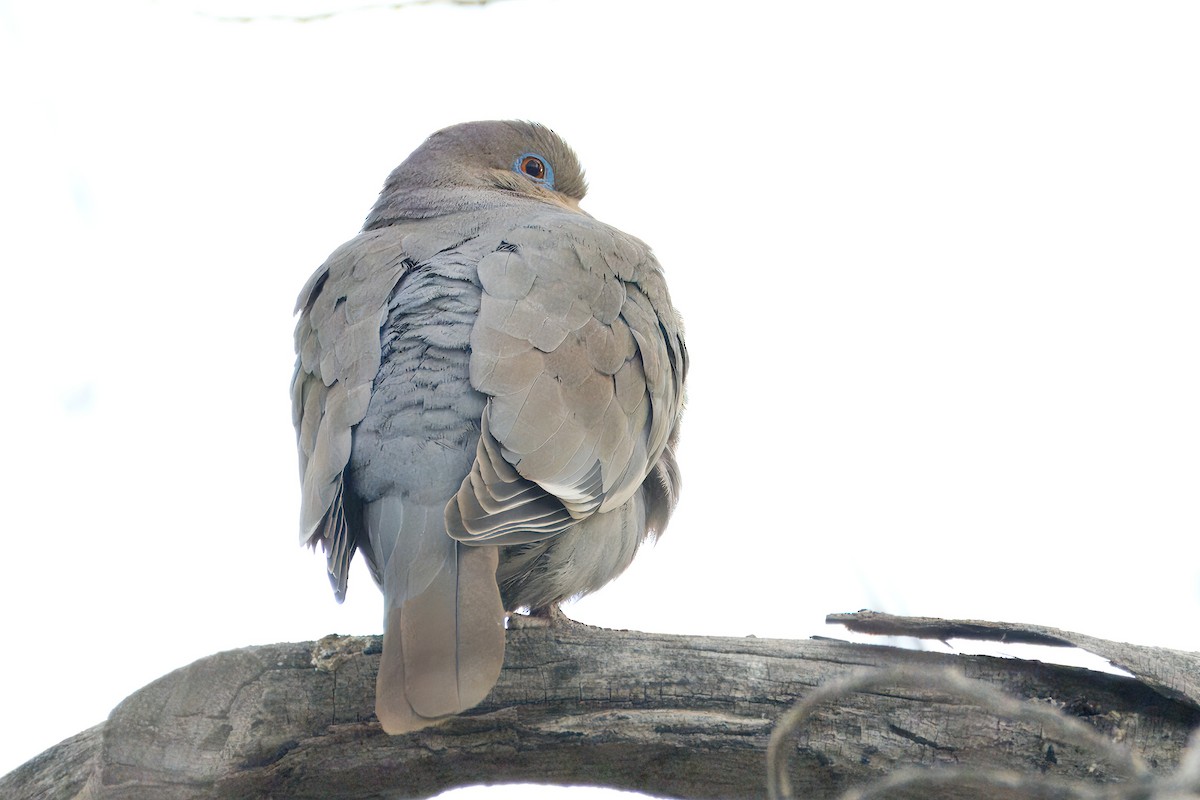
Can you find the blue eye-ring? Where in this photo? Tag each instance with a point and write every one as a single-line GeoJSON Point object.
{"type": "Point", "coordinates": [536, 168]}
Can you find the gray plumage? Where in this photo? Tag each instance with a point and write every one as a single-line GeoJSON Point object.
{"type": "Point", "coordinates": [486, 399]}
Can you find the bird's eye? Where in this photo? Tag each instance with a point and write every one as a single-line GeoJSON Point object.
{"type": "Point", "coordinates": [535, 167]}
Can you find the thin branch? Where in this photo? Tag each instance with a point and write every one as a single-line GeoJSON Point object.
{"type": "Point", "coordinates": [1185, 782]}
{"type": "Point", "coordinates": [326, 15]}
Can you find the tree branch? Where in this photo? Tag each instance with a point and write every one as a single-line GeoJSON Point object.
{"type": "Point", "coordinates": [322, 16]}
{"type": "Point", "coordinates": [675, 716]}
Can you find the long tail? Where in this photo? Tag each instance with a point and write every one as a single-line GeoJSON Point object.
{"type": "Point", "coordinates": [443, 641]}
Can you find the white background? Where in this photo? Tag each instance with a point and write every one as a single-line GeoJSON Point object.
{"type": "Point", "coordinates": [939, 264]}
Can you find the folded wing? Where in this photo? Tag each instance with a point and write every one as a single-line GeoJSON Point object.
{"type": "Point", "coordinates": [580, 352]}
{"type": "Point", "coordinates": [337, 341]}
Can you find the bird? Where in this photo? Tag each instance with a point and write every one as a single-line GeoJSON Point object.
{"type": "Point", "coordinates": [487, 398]}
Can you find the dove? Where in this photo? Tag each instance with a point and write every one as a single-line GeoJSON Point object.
{"type": "Point", "coordinates": [487, 397]}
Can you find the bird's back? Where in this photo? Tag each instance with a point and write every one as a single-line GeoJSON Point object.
{"type": "Point", "coordinates": [419, 434]}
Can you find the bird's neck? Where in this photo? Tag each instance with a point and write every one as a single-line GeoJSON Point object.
{"type": "Point", "coordinates": [425, 203]}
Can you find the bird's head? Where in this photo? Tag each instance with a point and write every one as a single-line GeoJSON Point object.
{"type": "Point", "coordinates": [458, 166]}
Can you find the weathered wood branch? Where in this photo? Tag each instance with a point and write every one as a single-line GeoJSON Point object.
{"type": "Point", "coordinates": [675, 716]}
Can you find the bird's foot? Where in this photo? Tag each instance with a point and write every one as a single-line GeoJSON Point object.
{"type": "Point", "coordinates": [546, 617]}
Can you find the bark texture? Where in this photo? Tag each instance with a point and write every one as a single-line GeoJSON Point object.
{"type": "Point", "coordinates": [673, 716]}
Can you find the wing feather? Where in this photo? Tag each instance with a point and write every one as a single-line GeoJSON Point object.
{"type": "Point", "coordinates": [580, 351]}
{"type": "Point", "coordinates": [342, 308]}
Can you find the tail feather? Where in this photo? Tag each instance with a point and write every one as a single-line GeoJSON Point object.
{"type": "Point", "coordinates": [442, 649]}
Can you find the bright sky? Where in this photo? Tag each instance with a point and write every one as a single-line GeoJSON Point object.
{"type": "Point", "coordinates": [939, 266]}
